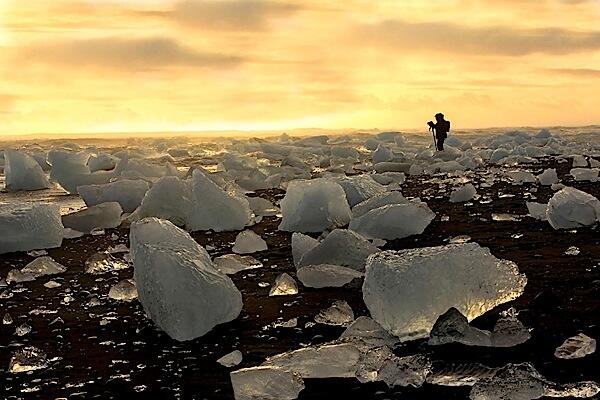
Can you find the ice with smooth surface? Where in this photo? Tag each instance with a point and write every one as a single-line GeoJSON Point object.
{"type": "Point", "coordinates": [177, 283]}
{"type": "Point", "coordinates": [395, 221]}
{"type": "Point", "coordinates": [338, 314]}
{"type": "Point", "coordinates": [323, 275]}
{"type": "Point", "coordinates": [519, 177]}
{"type": "Point", "coordinates": [548, 177]}
{"type": "Point", "coordinates": [41, 266]}
{"type": "Point", "coordinates": [248, 242]}
{"type": "Point", "coordinates": [230, 264]}
{"type": "Point", "coordinates": [571, 208]}
{"type": "Point", "coordinates": [577, 346]}
{"type": "Point", "coordinates": [407, 290]}
{"type": "Point", "coordinates": [359, 188]}
{"type": "Point", "coordinates": [314, 206]}
{"type": "Point", "coordinates": [103, 216]}
{"type": "Point", "coordinates": [127, 192]}
{"type": "Point", "coordinates": [329, 360]}
{"type": "Point", "coordinates": [71, 170]}
{"type": "Point", "coordinates": [380, 200]}
{"type": "Point", "coordinates": [537, 210]}
{"type": "Point", "coordinates": [284, 285]}
{"type": "Point", "coordinates": [22, 172]}
{"type": "Point", "coordinates": [266, 383]}
{"type": "Point", "coordinates": [524, 382]}
{"type": "Point", "coordinates": [341, 247]}
{"type": "Point", "coordinates": [197, 203]}
{"type": "Point", "coordinates": [124, 290]}
{"type": "Point", "coordinates": [302, 244]}
{"type": "Point", "coordinates": [464, 193]}
{"type": "Point", "coordinates": [231, 359]}
{"type": "Point", "coordinates": [29, 227]}
{"type": "Point", "coordinates": [369, 331]}
{"type": "Point", "coordinates": [585, 174]}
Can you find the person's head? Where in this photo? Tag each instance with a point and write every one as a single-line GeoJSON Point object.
{"type": "Point", "coordinates": [439, 117]}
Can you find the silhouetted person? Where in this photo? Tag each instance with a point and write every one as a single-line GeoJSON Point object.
{"type": "Point", "coordinates": [440, 128]}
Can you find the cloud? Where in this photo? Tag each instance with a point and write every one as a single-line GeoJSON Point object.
{"type": "Point", "coordinates": [580, 72]}
{"type": "Point", "coordinates": [453, 38]}
{"type": "Point", "coordinates": [128, 54]}
{"type": "Point", "coordinates": [234, 15]}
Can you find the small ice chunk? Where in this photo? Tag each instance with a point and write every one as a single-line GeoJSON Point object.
{"type": "Point", "coordinates": [231, 360]}
{"type": "Point", "coordinates": [407, 290]}
{"type": "Point", "coordinates": [585, 174]}
{"type": "Point", "coordinates": [302, 244]}
{"type": "Point", "coordinates": [380, 200]}
{"type": "Point", "coordinates": [571, 208]}
{"type": "Point", "coordinates": [248, 242]}
{"type": "Point", "coordinates": [395, 221]}
{"type": "Point", "coordinates": [69, 233]}
{"type": "Point", "coordinates": [330, 360]}
{"type": "Point", "coordinates": [27, 359]}
{"type": "Point", "coordinates": [520, 177]}
{"type": "Point", "coordinates": [548, 177]}
{"type": "Point", "coordinates": [43, 266]}
{"type": "Point", "coordinates": [572, 251]}
{"type": "Point", "coordinates": [576, 347]}
{"type": "Point", "coordinates": [29, 227]}
{"type": "Point", "coordinates": [463, 193]}
{"type": "Point", "coordinates": [105, 215]}
{"type": "Point", "coordinates": [262, 207]}
{"type": "Point", "coordinates": [457, 374]}
{"type": "Point", "coordinates": [284, 285]}
{"type": "Point", "coordinates": [323, 275]}
{"type": "Point", "coordinates": [128, 193]}
{"type": "Point", "coordinates": [359, 188]}
{"type": "Point", "coordinates": [178, 285]}
{"type": "Point", "coordinates": [230, 264]}
{"type": "Point", "coordinates": [291, 323]}
{"type": "Point", "coordinates": [125, 290]}
{"type": "Point", "coordinates": [7, 319]}
{"type": "Point", "coordinates": [266, 383]}
{"type": "Point", "coordinates": [453, 327]}
{"type": "Point", "coordinates": [52, 285]}
{"type": "Point", "coordinates": [341, 247]}
{"type": "Point", "coordinates": [339, 314]}
{"type": "Point", "coordinates": [314, 206]}
{"type": "Point", "coordinates": [101, 263]}
{"type": "Point", "coordinates": [22, 172]}
{"type": "Point", "coordinates": [579, 161]}
{"type": "Point", "coordinates": [381, 364]}
{"type": "Point", "coordinates": [523, 382]}
{"type": "Point", "coordinates": [16, 276]}
{"type": "Point", "coordinates": [369, 331]}
{"type": "Point", "coordinates": [537, 210]}
{"type": "Point", "coordinates": [22, 329]}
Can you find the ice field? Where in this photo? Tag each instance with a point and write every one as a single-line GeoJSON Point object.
{"type": "Point", "coordinates": [355, 266]}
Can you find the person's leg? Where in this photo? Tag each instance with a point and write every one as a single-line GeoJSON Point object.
{"type": "Point", "coordinates": [440, 143]}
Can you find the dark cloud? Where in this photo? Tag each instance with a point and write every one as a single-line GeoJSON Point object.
{"type": "Point", "coordinates": [120, 53]}
{"type": "Point", "coordinates": [234, 15]}
{"type": "Point", "coordinates": [453, 38]}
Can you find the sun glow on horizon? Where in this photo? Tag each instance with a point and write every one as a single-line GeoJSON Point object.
{"type": "Point", "coordinates": [256, 65]}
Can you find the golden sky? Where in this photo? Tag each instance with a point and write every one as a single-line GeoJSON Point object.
{"type": "Point", "coordinates": [174, 65]}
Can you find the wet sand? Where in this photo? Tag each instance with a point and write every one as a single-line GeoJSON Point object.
{"type": "Point", "coordinates": [129, 358]}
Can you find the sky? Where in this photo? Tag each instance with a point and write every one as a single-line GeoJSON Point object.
{"type": "Point", "coordinates": [193, 65]}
